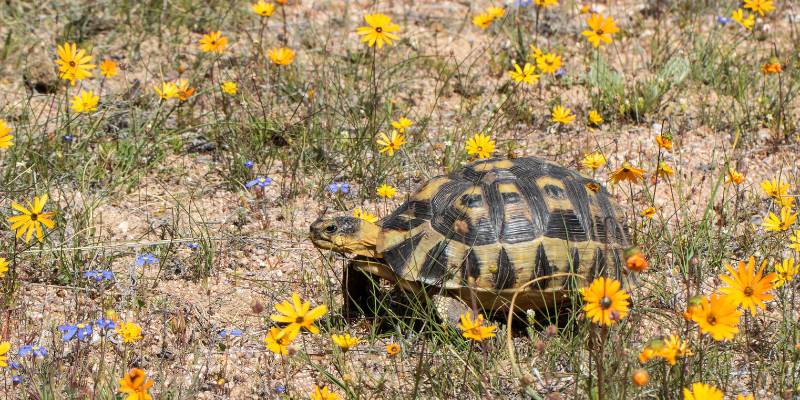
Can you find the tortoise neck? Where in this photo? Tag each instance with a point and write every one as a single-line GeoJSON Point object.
{"type": "Point", "coordinates": [367, 239]}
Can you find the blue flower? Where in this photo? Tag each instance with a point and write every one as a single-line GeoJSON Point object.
{"type": "Point", "coordinates": [280, 388]}
{"type": "Point", "coordinates": [105, 324]}
{"type": "Point", "coordinates": [723, 20]}
{"type": "Point", "coordinates": [521, 3]}
{"type": "Point", "coordinates": [68, 138]}
{"type": "Point", "coordinates": [248, 164]}
{"type": "Point", "coordinates": [81, 331]}
{"type": "Point", "coordinates": [99, 275]}
{"type": "Point", "coordinates": [146, 259]}
{"type": "Point", "coordinates": [340, 187]}
{"type": "Point", "coordinates": [260, 181]}
{"type": "Point", "coordinates": [193, 246]}
{"type": "Point", "coordinates": [16, 379]}
{"type": "Point", "coordinates": [37, 351]}
{"type": "Point", "coordinates": [13, 364]}
{"type": "Point", "coordinates": [230, 333]}
{"type": "Point", "coordinates": [560, 73]}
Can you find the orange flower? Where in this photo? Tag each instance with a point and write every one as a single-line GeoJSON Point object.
{"type": "Point", "coordinates": [664, 141]}
{"type": "Point", "coordinates": [637, 262]}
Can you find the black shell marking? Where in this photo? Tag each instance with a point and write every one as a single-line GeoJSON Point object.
{"type": "Point", "coordinates": [506, 275]}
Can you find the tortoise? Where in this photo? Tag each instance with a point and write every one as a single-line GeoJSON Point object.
{"type": "Point", "coordinates": [485, 232]}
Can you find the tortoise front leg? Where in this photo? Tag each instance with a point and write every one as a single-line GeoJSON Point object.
{"type": "Point", "coordinates": [361, 291]}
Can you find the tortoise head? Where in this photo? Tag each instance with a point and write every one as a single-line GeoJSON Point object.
{"type": "Point", "coordinates": [345, 235]}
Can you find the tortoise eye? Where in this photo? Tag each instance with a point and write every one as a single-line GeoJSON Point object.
{"type": "Point", "coordinates": [330, 228]}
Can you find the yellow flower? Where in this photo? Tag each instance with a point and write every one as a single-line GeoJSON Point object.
{"type": "Point", "coordinates": [380, 30]}
{"type": "Point", "coordinates": [600, 29]}
{"type": "Point", "coordinates": [84, 102]}
{"type": "Point", "coordinates": [545, 3]}
{"type": "Point", "coordinates": [392, 349]}
{"type": "Point", "coordinates": [774, 223]}
{"type": "Point", "coordinates": [386, 191]}
{"type": "Point", "coordinates": [483, 21]}
{"type": "Point", "coordinates": [263, 8]}
{"type": "Point", "coordinates": [480, 146]}
{"type": "Point", "coordinates": [525, 74]}
{"type": "Point", "coordinates": [213, 42]}
{"type": "Point", "coordinates": [474, 328]}
{"type": "Point", "coordinates": [535, 52]}
{"type": "Point", "coordinates": [4, 348]}
{"type": "Point", "coordinates": [664, 170]}
{"type": "Point", "coordinates": [594, 160]}
{"type": "Point", "coordinates": [595, 119]}
{"type": "Point", "coordinates": [6, 138]}
{"type": "Point", "coordinates": [324, 394]}
{"type": "Point", "coordinates": [366, 216]}
{"type": "Point", "coordinates": [606, 302]}
{"type": "Point", "coordinates": [747, 21]}
{"type": "Point", "coordinates": [345, 342]}
{"type": "Point", "coordinates": [718, 317]}
{"type": "Point", "coordinates": [73, 63]}
{"type": "Point", "coordinates": [745, 397]}
{"type": "Point", "coordinates": [549, 63]}
{"type": "Point", "coordinates": [664, 141]}
{"type": "Point", "coordinates": [3, 267]}
{"type": "Point", "coordinates": [669, 349]}
{"type": "Point", "coordinates": [784, 272]}
{"type": "Point", "coordinates": [562, 115]}
{"type": "Point", "coordinates": [701, 391]}
{"type": "Point", "coordinates": [184, 91]}
{"type": "Point", "coordinates": [626, 172]}
{"type": "Point", "coordinates": [108, 68]}
{"type": "Point", "coordinates": [129, 331]}
{"type": "Point", "coordinates": [229, 87]}
{"type": "Point", "coordinates": [391, 143]}
{"type": "Point", "coordinates": [778, 190]}
{"type": "Point", "coordinates": [649, 212]}
{"type": "Point", "coordinates": [298, 315]}
{"type": "Point", "coordinates": [746, 286]}
{"type": "Point", "coordinates": [135, 385]}
{"type": "Point", "coordinates": [496, 12]}
{"type": "Point", "coordinates": [167, 91]}
{"type": "Point", "coordinates": [674, 347]}
{"type": "Point", "coordinates": [278, 340]}
{"type": "Point", "coordinates": [795, 240]}
{"type": "Point", "coordinates": [734, 176]}
{"type": "Point", "coordinates": [31, 219]}
{"type": "Point", "coordinates": [281, 56]}
{"type": "Point", "coordinates": [402, 124]}
{"type": "Point", "coordinates": [651, 351]}
{"type": "Point", "coordinates": [759, 6]}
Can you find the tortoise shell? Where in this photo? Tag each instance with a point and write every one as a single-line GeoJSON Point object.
{"type": "Point", "coordinates": [497, 224]}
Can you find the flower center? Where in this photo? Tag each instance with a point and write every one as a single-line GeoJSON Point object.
{"type": "Point", "coordinates": [605, 303]}
{"type": "Point", "coordinates": [213, 42]}
{"type": "Point", "coordinates": [72, 63]}
{"type": "Point", "coordinates": [712, 320]}
{"type": "Point", "coordinates": [299, 320]}
{"type": "Point", "coordinates": [34, 216]}
{"type": "Point", "coordinates": [600, 32]}
{"type": "Point", "coordinates": [81, 326]}
{"type": "Point", "coordinates": [379, 29]}
{"type": "Point", "coordinates": [748, 291]}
